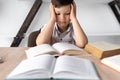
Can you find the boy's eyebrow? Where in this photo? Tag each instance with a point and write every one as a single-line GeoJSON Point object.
{"type": "Point", "coordinates": [65, 11]}
{"type": "Point", "coordinates": [57, 11]}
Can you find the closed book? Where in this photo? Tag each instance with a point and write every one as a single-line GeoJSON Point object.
{"type": "Point", "coordinates": [102, 49]}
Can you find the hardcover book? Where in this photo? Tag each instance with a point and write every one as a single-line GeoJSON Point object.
{"type": "Point", "coordinates": [102, 49]}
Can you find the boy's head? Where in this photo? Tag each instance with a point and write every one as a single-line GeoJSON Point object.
{"type": "Point", "coordinates": [62, 11]}
{"type": "Point", "coordinates": [59, 3]}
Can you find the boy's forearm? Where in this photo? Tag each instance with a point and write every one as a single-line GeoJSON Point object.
{"type": "Point", "coordinates": [45, 35]}
{"type": "Point", "coordinates": [80, 36]}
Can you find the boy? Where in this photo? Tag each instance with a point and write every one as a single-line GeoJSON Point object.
{"type": "Point", "coordinates": [63, 25]}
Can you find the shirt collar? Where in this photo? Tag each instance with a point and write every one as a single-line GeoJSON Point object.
{"type": "Point", "coordinates": [69, 28]}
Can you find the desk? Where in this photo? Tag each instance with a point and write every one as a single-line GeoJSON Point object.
{"type": "Point", "coordinates": [13, 56]}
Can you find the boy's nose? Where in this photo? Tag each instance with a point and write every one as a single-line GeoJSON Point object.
{"type": "Point", "coordinates": [62, 17]}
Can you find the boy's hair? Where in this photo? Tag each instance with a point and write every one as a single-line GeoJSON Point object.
{"type": "Point", "coordinates": [59, 3]}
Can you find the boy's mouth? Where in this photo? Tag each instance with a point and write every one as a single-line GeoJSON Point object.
{"type": "Point", "coordinates": [62, 22]}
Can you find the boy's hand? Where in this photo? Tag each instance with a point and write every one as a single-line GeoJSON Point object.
{"type": "Point", "coordinates": [52, 12]}
{"type": "Point", "coordinates": [73, 11]}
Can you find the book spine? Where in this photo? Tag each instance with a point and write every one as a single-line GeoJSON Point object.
{"type": "Point", "coordinates": [94, 51]}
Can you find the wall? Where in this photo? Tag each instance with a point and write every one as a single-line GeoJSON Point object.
{"type": "Point", "coordinates": [95, 17]}
{"type": "Point", "coordinates": [12, 15]}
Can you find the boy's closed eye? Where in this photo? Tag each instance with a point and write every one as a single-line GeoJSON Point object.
{"type": "Point", "coordinates": [57, 13]}
{"type": "Point", "coordinates": [67, 13]}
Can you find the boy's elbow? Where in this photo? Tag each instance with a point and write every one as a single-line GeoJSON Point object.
{"type": "Point", "coordinates": [82, 45]}
{"type": "Point", "coordinates": [37, 42]}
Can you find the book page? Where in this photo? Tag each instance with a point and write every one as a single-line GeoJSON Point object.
{"type": "Point", "coordinates": [74, 67]}
{"type": "Point", "coordinates": [113, 62]}
{"type": "Point", "coordinates": [61, 47]}
{"type": "Point", "coordinates": [105, 45]}
{"type": "Point", "coordinates": [36, 67]}
{"type": "Point", "coordinates": [40, 49]}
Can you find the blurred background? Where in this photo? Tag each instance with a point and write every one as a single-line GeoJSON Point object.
{"type": "Point", "coordinates": [95, 16]}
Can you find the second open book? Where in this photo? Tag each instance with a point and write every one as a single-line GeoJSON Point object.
{"type": "Point", "coordinates": [47, 66]}
{"type": "Point", "coordinates": [57, 48]}
{"type": "Point", "coordinates": [112, 62]}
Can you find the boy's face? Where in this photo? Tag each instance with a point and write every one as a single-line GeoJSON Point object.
{"type": "Point", "coordinates": [63, 16]}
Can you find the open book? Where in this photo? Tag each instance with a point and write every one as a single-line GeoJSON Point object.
{"type": "Point", "coordinates": [57, 48]}
{"type": "Point", "coordinates": [102, 49]}
{"type": "Point", "coordinates": [112, 62]}
{"type": "Point", "coordinates": [47, 66]}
